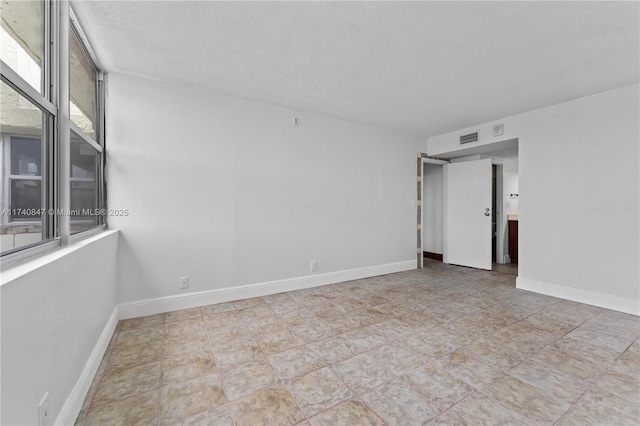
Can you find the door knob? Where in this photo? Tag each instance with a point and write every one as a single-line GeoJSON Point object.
{"type": "Point", "coordinates": [487, 214]}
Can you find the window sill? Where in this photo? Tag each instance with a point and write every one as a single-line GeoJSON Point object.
{"type": "Point", "coordinates": [16, 268]}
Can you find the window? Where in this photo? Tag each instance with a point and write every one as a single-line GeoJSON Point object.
{"type": "Point", "coordinates": [83, 85]}
{"type": "Point", "coordinates": [22, 35]}
{"type": "Point", "coordinates": [39, 201]}
{"type": "Point", "coordinates": [24, 188]}
{"type": "Point", "coordinates": [85, 191]}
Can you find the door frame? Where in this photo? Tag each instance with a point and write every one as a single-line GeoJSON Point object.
{"type": "Point", "coordinates": [501, 221]}
{"type": "Point", "coordinates": [501, 218]}
{"type": "Point", "coordinates": [422, 159]}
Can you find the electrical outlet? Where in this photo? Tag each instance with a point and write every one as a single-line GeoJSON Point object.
{"type": "Point", "coordinates": [184, 282]}
{"type": "Point", "coordinates": [314, 265]}
{"type": "Point", "coordinates": [43, 411]}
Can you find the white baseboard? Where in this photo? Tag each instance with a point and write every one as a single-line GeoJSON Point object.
{"type": "Point", "coordinates": [203, 298]}
{"type": "Point", "coordinates": [72, 406]}
{"type": "Point", "coordinates": [607, 301]}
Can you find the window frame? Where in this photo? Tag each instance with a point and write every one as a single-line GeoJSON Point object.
{"type": "Point", "coordinates": [56, 229]}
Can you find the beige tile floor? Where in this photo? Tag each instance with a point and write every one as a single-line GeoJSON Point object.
{"type": "Point", "coordinates": [442, 345]}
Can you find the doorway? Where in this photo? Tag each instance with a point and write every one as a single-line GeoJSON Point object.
{"type": "Point", "coordinates": [503, 200]}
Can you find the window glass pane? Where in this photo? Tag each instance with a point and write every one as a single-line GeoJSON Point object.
{"type": "Point", "coordinates": [26, 156]}
{"type": "Point", "coordinates": [85, 205]}
{"type": "Point", "coordinates": [21, 39]}
{"type": "Point", "coordinates": [26, 200]}
{"type": "Point", "coordinates": [21, 154]}
{"type": "Point", "coordinates": [82, 86]}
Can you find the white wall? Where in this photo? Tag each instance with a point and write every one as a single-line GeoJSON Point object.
{"type": "Point", "coordinates": [229, 192]}
{"type": "Point", "coordinates": [432, 208]}
{"type": "Point", "coordinates": [579, 196]}
{"type": "Point", "coordinates": [54, 310]}
{"type": "Point", "coordinates": [510, 186]}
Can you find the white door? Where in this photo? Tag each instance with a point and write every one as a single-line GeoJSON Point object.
{"type": "Point", "coordinates": [467, 214]}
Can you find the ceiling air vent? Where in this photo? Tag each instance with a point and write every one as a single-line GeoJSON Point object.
{"type": "Point", "coordinates": [471, 137]}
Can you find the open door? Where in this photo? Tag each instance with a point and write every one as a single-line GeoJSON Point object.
{"type": "Point", "coordinates": [467, 214]}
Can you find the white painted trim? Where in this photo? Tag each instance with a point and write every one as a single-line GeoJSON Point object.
{"type": "Point", "coordinates": [72, 406]}
{"type": "Point", "coordinates": [501, 222]}
{"type": "Point", "coordinates": [607, 301]}
{"type": "Point", "coordinates": [203, 298]}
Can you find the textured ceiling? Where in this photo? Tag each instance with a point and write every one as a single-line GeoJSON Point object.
{"type": "Point", "coordinates": [421, 68]}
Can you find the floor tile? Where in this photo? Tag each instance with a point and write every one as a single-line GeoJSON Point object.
{"type": "Point", "coordinates": [397, 359]}
{"type": "Point", "coordinates": [277, 341]}
{"type": "Point", "coordinates": [361, 373]}
{"type": "Point", "coordinates": [438, 386]}
{"type": "Point", "coordinates": [610, 408]}
{"type": "Point", "coordinates": [139, 336]}
{"type": "Point", "coordinates": [247, 378]}
{"type": "Point", "coordinates": [295, 362]}
{"type": "Point", "coordinates": [549, 324]}
{"type": "Point", "coordinates": [270, 406]}
{"type": "Point", "coordinates": [626, 387]}
{"type": "Point", "coordinates": [495, 354]}
{"type": "Point", "coordinates": [317, 391]}
{"type": "Point", "coordinates": [183, 331]}
{"type": "Point", "coordinates": [284, 306]}
{"type": "Point", "coordinates": [562, 361]}
{"type": "Point", "coordinates": [183, 400]}
{"type": "Point", "coordinates": [526, 400]}
{"type": "Point", "coordinates": [374, 300]}
{"type": "Point", "coordinates": [352, 412]}
{"type": "Point", "coordinates": [364, 339]}
{"type": "Point", "coordinates": [344, 323]}
{"type": "Point", "coordinates": [333, 349]}
{"type": "Point", "coordinates": [525, 332]}
{"type": "Point", "coordinates": [141, 409]}
{"type": "Point", "coordinates": [578, 417]}
{"type": "Point", "coordinates": [248, 303]}
{"type": "Point", "coordinates": [295, 318]}
{"type": "Point", "coordinates": [313, 331]}
{"type": "Point", "coordinates": [432, 346]}
{"type": "Point", "coordinates": [218, 336]}
{"type": "Point", "coordinates": [182, 315]}
{"type": "Point", "coordinates": [187, 366]}
{"type": "Point", "coordinates": [218, 416]}
{"type": "Point", "coordinates": [200, 343]}
{"type": "Point", "coordinates": [236, 352]}
{"type": "Point", "coordinates": [616, 324]}
{"type": "Point", "coordinates": [371, 316]}
{"type": "Point", "coordinates": [119, 384]}
{"type": "Point", "coordinates": [149, 321]}
{"type": "Point", "coordinates": [217, 308]}
{"type": "Point", "coordinates": [605, 341]}
{"type": "Point", "coordinates": [557, 383]}
{"type": "Point", "coordinates": [479, 409]}
{"type": "Point", "coordinates": [256, 313]}
{"type": "Point", "coordinates": [584, 350]}
{"type": "Point", "coordinates": [398, 403]}
{"type": "Point", "coordinates": [469, 369]}
{"type": "Point", "coordinates": [129, 356]}
{"type": "Point", "coordinates": [571, 312]}
{"type": "Point", "coordinates": [221, 320]}
{"type": "Point", "coordinates": [394, 329]}
{"type": "Point", "coordinates": [409, 345]}
{"type": "Point", "coordinates": [629, 361]}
